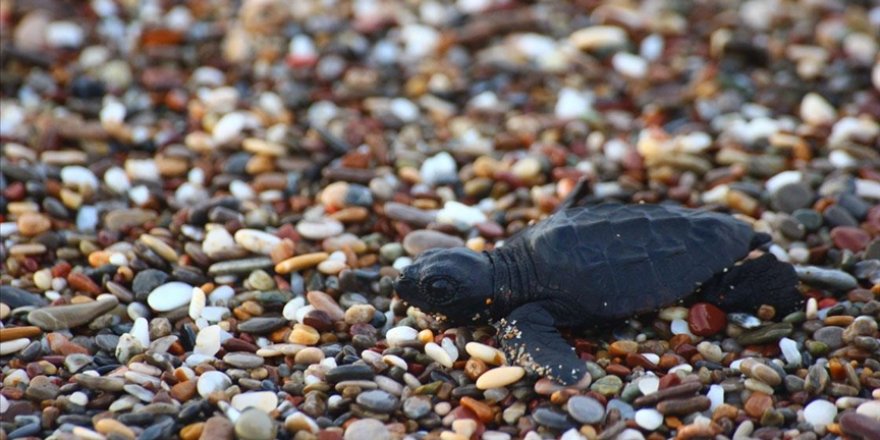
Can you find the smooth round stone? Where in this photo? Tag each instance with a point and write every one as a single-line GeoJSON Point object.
{"type": "Point", "coordinates": [70, 316]}
{"type": "Point", "coordinates": [350, 372]}
{"type": "Point", "coordinates": [170, 296]}
{"type": "Point", "coordinates": [378, 401]}
{"type": "Point", "coordinates": [607, 385]}
{"type": "Point", "coordinates": [319, 229]}
{"type": "Point", "coordinates": [820, 413]}
{"type": "Point", "coordinates": [649, 418]}
{"type": "Point", "coordinates": [208, 340]}
{"type": "Point", "coordinates": [421, 240]}
{"type": "Point", "coordinates": [485, 353]}
{"type": "Point", "coordinates": [367, 429]}
{"type": "Point", "coordinates": [439, 169]}
{"type": "Point", "coordinates": [265, 401]}
{"type": "Point", "coordinates": [218, 243]}
{"type": "Point", "coordinates": [648, 384]}
{"type": "Point", "coordinates": [831, 278]}
{"type": "Point", "coordinates": [860, 425]}
{"type": "Point", "coordinates": [790, 351]}
{"type": "Point", "coordinates": [401, 335]}
{"type": "Point", "coordinates": [830, 336]}
{"type": "Point", "coordinates": [850, 238]}
{"type": "Point", "coordinates": [585, 409]}
{"type": "Point", "coordinates": [326, 303]}
{"type": "Point", "coordinates": [13, 346]}
{"type": "Point", "coordinates": [416, 407]}
{"type": "Point", "coordinates": [500, 377]}
{"type": "Point", "coordinates": [551, 418]}
{"type": "Point", "coordinates": [438, 354]}
{"type": "Point", "coordinates": [870, 408]}
{"type": "Point", "coordinates": [791, 197]}
{"type": "Point", "coordinates": [147, 280]}
{"type": "Point", "coordinates": [706, 319]}
{"type": "Point", "coordinates": [255, 424]}
{"type": "Point", "coordinates": [212, 381]}
{"type": "Point", "coordinates": [243, 359]}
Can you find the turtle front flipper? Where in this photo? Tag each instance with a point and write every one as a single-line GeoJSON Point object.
{"type": "Point", "coordinates": [530, 339]}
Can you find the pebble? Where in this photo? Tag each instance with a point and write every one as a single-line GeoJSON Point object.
{"type": "Point", "coordinates": [598, 37]}
{"type": "Point", "coordinates": [255, 424]}
{"type": "Point", "coordinates": [822, 277]}
{"type": "Point", "coordinates": [212, 381]}
{"type": "Point", "coordinates": [500, 377]}
{"type": "Point", "coordinates": [319, 229]}
{"type": "Point", "coordinates": [402, 335]}
{"type": "Point", "coordinates": [70, 316]}
{"type": "Point", "coordinates": [367, 428]}
{"type": "Point", "coordinates": [649, 419]}
{"type": "Point", "coordinates": [13, 346]}
{"type": "Point", "coordinates": [820, 413]}
{"type": "Point", "coordinates": [170, 296]}
{"type": "Point", "coordinates": [706, 319]}
{"type": "Point", "coordinates": [421, 240]}
{"type": "Point", "coordinates": [585, 410]}
{"type": "Point", "coordinates": [378, 401]}
{"type": "Point", "coordinates": [265, 401]}
{"type": "Point", "coordinates": [439, 169]}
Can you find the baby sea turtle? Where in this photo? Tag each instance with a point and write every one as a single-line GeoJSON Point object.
{"type": "Point", "coordinates": [587, 266]}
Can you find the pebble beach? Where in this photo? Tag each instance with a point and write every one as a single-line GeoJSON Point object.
{"type": "Point", "coordinates": [204, 204]}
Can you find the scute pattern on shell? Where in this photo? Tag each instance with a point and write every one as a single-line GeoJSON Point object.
{"type": "Point", "coordinates": [612, 261]}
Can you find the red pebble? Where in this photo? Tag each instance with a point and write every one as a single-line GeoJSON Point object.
{"type": "Point", "coordinates": [848, 237]}
{"type": "Point", "coordinates": [825, 303]}
{"type": "Point", "coordinates": [705, 319]}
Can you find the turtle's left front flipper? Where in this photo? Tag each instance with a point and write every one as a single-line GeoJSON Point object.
{"type": "Point", "coordinates": [530, 339]}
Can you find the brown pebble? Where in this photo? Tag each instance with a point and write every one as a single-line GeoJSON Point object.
{"type": "Point", "coordinates": [758, 403]}
{"type": "Point", "coordinates": [681, 407]}
{"type": "Point", "coordinates": [183, 391]}
{"type": "Point", "coordinates": [82, 283]}
{"type": "Point", "coordinates": [192, 432]}
{"type": "Point", "coordinates": [31, 224]}
{"type": "Point", "coordinates": [113, 427]}
{"type": "Point", "coordinates": [8, 334]}
{"type": "Point", "coordinates": [218, 428]}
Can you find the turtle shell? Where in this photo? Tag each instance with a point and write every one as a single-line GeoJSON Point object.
{"type": "Point", "coordinates": [612, 261]}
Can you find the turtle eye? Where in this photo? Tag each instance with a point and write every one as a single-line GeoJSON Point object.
{"type": "Point", "coordinates": [440, 291]}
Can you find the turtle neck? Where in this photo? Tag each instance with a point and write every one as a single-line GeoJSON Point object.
{"type": "Point", "coordinates": [513, 279]}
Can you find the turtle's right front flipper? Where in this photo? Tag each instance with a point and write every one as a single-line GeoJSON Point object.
{"type": "Point", "coordinates": [530, 339]}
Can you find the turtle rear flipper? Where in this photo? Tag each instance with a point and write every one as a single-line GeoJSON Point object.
{"type": "Point", "coordinates": [530, 339]}
{"type": "Point", "coordinates": [745, 287]}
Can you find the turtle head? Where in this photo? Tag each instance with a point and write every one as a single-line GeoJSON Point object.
{"type": "Point", "coordinates": [452, 284]}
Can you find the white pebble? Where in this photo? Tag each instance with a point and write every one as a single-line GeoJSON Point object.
{"type": "Point", "coordinates": [208, 341]}
{"type": "Point", "coordinates": [256, 241]}
{"type": "Point", "coordinates": [596, 37]}
{"type": "Point", "coordinates": [776, 182]}
{"type": "Point", "coordinates": [214, 313]}
{"type": "Point", "coordinates": [462, 216]}
{"type": "Point", "coordinates": [117, 180]}
{"type": "Point", "coordinates": [790, 351]}
{"type": "Point", "coordinates": [649, 418]}
{"type": "Point", "coordinates": [218, 242]}
{"type": "Point", "coordinates": [629, 65]}
{"type": "Point", "coordinates": [404, 109]}
{"type": "Point", "coordinates": [141, 331]}
{"type": "Point", "coordinates": [139, 195]}
{"type": "Point", "coordinates": [439, 169]}
{"type": "Point", "coordinates": [197, 303]}
{"type": "Point", "coordinates": [64, 34]}
{"type": "Point", "coordinates": [211, 381]}
{"type": "Point", "coordinates": [87, 220]}
{"type": "Point", "coordinates": [816, 110]}
{"type": "Point", "coordinates": [228, 127]}
{"type": "Point", "coordinates": [572, 104]}
{"type": "Point", "coordinates": [419, 40]}
{"type": "Point", "coordinates": [142, 169]}
{"type": "Point", "coordinates": [716, 396]}
{"type": "Point", "coordinates": [80, 177]}
{"type": "Point", "coordinates": [680, 327]}
{"type": "Point", "coordinates": [820, 413]}
{"type": "Point", "coordinates": [265, 401]}
{"type": "Point", "coordinates": [398, 336]}
{"type": "Point", "coordinates": [651, 48]}
{"type": "Point", "coordinates": [290, 309]}
{"type": "Point", "coordinates": [870, 408]}
{"type": "Point", "coordinates": [112, 114]}
{"type": "Point", "coordinates": [13, 346]}
{"type": "Point", "coordinates": [868, 189]}
{"type": "Point", "coordinates": [170, 296]}
{"type": "Point", "coordinates": [485, 353]}
{"type": "Point", "coordinates": [648, 384]}
{"type": "Point", "coordinates": [438, 354]}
